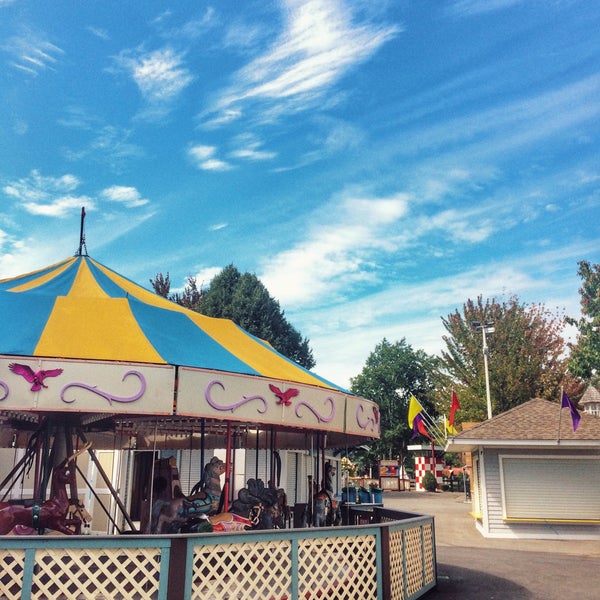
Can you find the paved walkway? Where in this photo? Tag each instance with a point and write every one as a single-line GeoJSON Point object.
{"type": "Point", "coordinates": [471, 566]}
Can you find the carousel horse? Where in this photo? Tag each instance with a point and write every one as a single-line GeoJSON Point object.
{"type": "Point", "coordinates": [204, 500]}
{"type": "Point", "coordinates": [52, 514]}
{"type": "Point", "coordinates": [258, 503]}
{"type": "Point", "coordinates": [322, 509]}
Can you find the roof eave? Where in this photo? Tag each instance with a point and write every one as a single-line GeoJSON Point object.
{"type": "Point", "coordinates": [465, 445]}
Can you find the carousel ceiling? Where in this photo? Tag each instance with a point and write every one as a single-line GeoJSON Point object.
{"type": "Point", "coordinates": [78, 338]}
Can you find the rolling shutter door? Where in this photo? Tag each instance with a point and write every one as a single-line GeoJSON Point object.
{"type": "Point", "coordinates": [551, 488]}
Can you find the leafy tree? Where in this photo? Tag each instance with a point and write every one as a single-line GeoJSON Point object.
{"type": "Point", "coordinates": [246, 301]}
{"type": "Point", "coordinates": [391, 374]}
{"type": "Point", "coordinates": [191, 297]}
{"type": "Point", "coordinates": [525, 356]}
{"type": "Point", "coordinates": [584, 361]}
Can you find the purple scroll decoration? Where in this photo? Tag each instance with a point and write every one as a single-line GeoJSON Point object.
{"type": "Point", "coordinates": [313, 410]}
{"type": "Point", "coordinates": [235, 405]}
{"type": "Point", "coordinates": [371, 422]}
{"type": "Point", "coordinates": [110, 397]}
{"type": "Point", "coordinates": [4, 387]}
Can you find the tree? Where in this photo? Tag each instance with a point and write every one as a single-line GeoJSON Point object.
{"type": "Point", "coordinates": [525, 355]}
{"type": "Point", "coordinates": [246, 301]}
{"type": "Point", "coordinates": [584, 361]}
{"type": "Point", "coordinates": [191, 297]}
{"type": "Point", "coordinates": [392, 373]}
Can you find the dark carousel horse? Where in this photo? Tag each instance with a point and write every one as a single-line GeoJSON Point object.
{"type": "Point", "coordinates": [52, 514]}
{"type": "Point", "coordinates": [322, 509]}
{"type": "Point", "coordinates": [266, 501]}
{"type": "Point", "coordinates": [204, 500]}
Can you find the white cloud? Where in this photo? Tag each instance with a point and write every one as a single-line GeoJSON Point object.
{"type": "Point", "coordinates": [204, 158]}
{"type": "Point", "coordinates": [31, 53]}
{"type": "Point", "coordinates": [160, 76]}
{"type": "Point", "coordinates": [336, 251]}
{"type": "Point", "coordinates": [129, 196]}
{"type": "Point", "coordinates": [47, 196]}
{"type": "Point", "coordinates": [318, 45]}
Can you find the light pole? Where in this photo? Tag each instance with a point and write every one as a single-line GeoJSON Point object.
{"type": "Point", "coordinates": [487, 327]}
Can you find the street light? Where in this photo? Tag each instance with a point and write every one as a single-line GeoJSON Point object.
{"type": "Point", "coordinates": [487, 327]}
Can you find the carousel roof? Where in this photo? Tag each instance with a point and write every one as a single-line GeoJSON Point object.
{"type": "Point", "coordinates": [80, 309]}
{"type": "Point", "coordinates": [77, 337]}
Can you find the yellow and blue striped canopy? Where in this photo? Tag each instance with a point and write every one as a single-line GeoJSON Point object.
{"type": "Point", "coordinates": [80, 309]}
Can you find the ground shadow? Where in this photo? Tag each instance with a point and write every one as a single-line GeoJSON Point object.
{"type": "Point", "coordinates": [458, 583]}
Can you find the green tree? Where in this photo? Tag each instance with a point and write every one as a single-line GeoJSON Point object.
{"type": "Point", "coordinates": [392, 373]}
{"type": "Point", "coordinates": [584, 361]}
{"type": "Point", "coordinates": [246, 301]}
{"type": "Point", "coordinates": [525, 356]}
{"type": "Point", "coordinates": [191, 297]}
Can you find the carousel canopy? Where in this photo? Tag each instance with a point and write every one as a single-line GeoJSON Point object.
{"type": "Point", "coordinates": [78, 337]}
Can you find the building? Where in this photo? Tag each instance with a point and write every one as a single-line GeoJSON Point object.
{"type": "Point", "coordinates": [533, 476]}
{"type": "Point", "coordinates": [590, 401]}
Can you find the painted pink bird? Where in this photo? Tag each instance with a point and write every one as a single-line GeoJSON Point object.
{"type": "Point", "coordinates": [284, 397]}
{"type": "Point", "coordinates": [37, 379]}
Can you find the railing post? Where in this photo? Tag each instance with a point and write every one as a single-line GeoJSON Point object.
{"type": "Point", "coordinates": [177, 569]}
{"type": "Point", "coordinates": [386, 579]}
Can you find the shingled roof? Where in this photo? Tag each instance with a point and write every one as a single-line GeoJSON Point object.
{"type": "Point", "coordinates": [530, 424]}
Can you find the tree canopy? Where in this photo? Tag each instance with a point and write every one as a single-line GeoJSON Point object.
{"type": "Point", "coordinates": [525, 355]}
{"type": "Point", "coordinates": [247, 302]}
{"type": "Point", "coordinates": [584, 361]}
{"type": "Point", "coordinates": [393, 372]}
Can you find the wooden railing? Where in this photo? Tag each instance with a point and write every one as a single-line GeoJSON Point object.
{"type": "Point", "coordinates": [390, 557]}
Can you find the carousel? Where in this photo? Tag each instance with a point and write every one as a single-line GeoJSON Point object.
{"type": "Point", "coordinates": [149, 451]}
{"type": "Point", "coordinates": [90, 359]}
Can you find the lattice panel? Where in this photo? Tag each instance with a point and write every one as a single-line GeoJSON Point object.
{"type": "Point", "coordinates": [11, 573]}
{"type": "Point", "coordinates": [242, 571]}
{"type": "Point", "coordinates": [396, 566]}
{"type": "Point", "coordinates": [428, 567]}
{"type": "Point", "coordinates": [414, 560]}
{"type": "Point", "coordinates": [86, 573]}
{"type": "Point", "coordinates": [341, 567]}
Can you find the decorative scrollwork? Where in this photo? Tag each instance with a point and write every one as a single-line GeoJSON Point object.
{"type": "Point", "coordinates": [110, 397]}
{"type": "Point", "coordinates": [4, 387]}
{"type": "Point", "coordinates": [313, 410]}
{"type": "Point", "coordinates": [370, 422]}
{"type": "Point", "coordinates": [235, 405]}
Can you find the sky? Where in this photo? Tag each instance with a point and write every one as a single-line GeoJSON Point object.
{"type": "Point", "coordinates": [375, 164]}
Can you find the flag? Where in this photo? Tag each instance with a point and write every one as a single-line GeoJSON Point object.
{"type": "Point", "coordinates": [450, 428]}
{"type": "Point", "coordinates": [575, 416]}
{"type": "Point", "coordinates": [415, 418]}
{"type": "Point", "coordinates": [455, 406]}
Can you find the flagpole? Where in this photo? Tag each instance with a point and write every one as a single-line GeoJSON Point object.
{"type": "Point", "coordinates": [559, 415]}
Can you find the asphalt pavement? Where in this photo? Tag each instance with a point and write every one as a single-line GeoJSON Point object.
{"type": "Point", "coordinates": [471, 566]}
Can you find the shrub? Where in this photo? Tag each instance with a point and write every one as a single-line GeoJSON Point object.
{"type": "Point", "coordinates": [429, 482]}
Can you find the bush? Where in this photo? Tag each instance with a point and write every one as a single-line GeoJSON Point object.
{"type": "Point", "coordinates": [429, 482]}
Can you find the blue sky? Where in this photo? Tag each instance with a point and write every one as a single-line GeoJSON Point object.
{"type": "Point", "coordinates": [375, 164]}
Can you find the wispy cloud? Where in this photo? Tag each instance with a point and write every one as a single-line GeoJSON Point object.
{"type": "Point", "coordinates": [204, 158]}
{"type": "Point", "coordinates": [47, 196]}
{"type": "Point", "coordinates": [475, 7]}
{"type": "Point", "coordinates": [337, 250]}
{"type": "Point", "coordinates": [250, 148]}
{"type": "Point", "coordinates": [320, 43]}
{"type": "Point", "coordinates": [128, 196]}
{"type": "Point", "coordinates": [31, 53]}
{"type": "Point", "coordinates": [160, 76]}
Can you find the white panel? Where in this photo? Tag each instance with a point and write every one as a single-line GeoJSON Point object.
{"type": "Point", "coordinates": [551, 488]}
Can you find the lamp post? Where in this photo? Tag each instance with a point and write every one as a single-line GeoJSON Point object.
{"type": "Point", "coordinates": [487, 327]}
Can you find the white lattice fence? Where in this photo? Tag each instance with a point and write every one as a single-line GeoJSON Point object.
{"type": "Point", "coordinates": [11, 573]}
{"type": "Point", "coordinates": [89, 573]}
{"type": "Point", "coordinates": [342, 567]}
{"type": "Point", "coordinates": [242, 571]}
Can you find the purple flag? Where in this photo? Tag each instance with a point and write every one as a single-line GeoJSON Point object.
{"type": "Point", "coordinates": [566, 403]}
